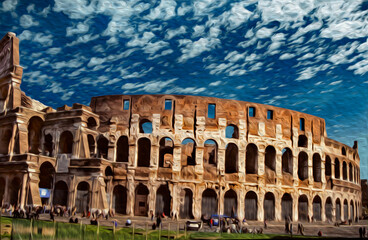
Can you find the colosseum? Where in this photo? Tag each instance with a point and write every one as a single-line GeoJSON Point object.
{"type": "Point", "coordinates": [185, 156]}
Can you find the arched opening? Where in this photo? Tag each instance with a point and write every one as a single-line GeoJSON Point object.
{"type": "Point", "coordinates": [232, 131]}
{"type": "Point", "coordinates": [328, 209]}
{"type": "Point", "coordinates": [166, 152]}
{"type": "Point", "coordinates": [109, 172]}
{"type": "Point", "coordinates": [303, 166]}
{"type": "Point", "coordinates": [49, 146]}
{"type": "Point", "coordinates": [141, 197]}
{"type": "Point", "coordinates": [303, 208]}
{"type": "Point", "coordinates": [270, 158]}
{"type": "Point", "coordinates": [338, 210]}
{"type": "Point", "coordinates": [119, 200]}
{"type": "Point", "coordinates": [83, 197]}
{"type": "Point", "coordinates": [163, 200]}
{"type": "Point", "coordinates": [269, 206]}
{"type": "Point", "coordinates": [302, 141]}
{"type": "Point", "coordinates": [91, 145]}
{"type": "Point", "coordinates": [251, 163]}
{"type": "Point", "coordinates": [287, 161]}
{"type": "Point", "coordinates": [317, 208]}
{"type": "Point", "coordinates": [2, 189]}
{"type": "Point", "coordinates": [230, 203]}
{"type": "Point", "coordinates": [91, 123]}
{"type": "Point", "coordinates": [144, 152]}
{"type": "Point", "coordinates": [343, 151]}
{"type": "Point", "coordinates": [344, 171]}
{"type": "Point", "coordinates": [251, 207]}
{"type": "Point", "coordinates": [61, 194]}
{"type": "Point", "coordinates": [328, 167]}
{"type": "Point", "coordinates": [188, 152]}
{"type": "Point", "coordinates": [46, 176]}
{"type": "Point", "coordinates": [231, 158]}
{"type": "Point", "coordinates": [102, 147]}
{"type": "Point", "coordinates": [145, 126]}
{"type": "Point", "coordinates": [122, 149]}
{"type": "Point", "coordinates": [209, 202]}
{"type": "Point", "coordinates": [14, 190]}
{"type": "Point", "coordinates": [186, 208]}
{"type": "Point", "coordinates": [317, 167]}
{"type": "Point", "coordinates": [210, 152]}
{"type": "Point", "coordinates": [287, 206]}
{"type": "Point", "coordinates": [346, 210]}
{"type": "Point", "coordinates": [34, 135]}
{"type": "Point", "coordinates": [350, 172]}
{"type": "Point", "coordinates": [352, 215]}
{"type": "Point", "coordinates": [337, 168]}
{"type": "Point", "coordinates": [66, 142]}
{"type": "Point", "coordinates": [5, 141]}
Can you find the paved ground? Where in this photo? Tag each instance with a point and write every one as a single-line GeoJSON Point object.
{"type": "Point", "coordinates": [310, 229]}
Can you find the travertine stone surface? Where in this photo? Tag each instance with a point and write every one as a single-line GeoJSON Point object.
{"type": "Point", "coordinates": [103, 156]}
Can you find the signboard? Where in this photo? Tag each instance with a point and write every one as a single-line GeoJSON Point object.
{"type": "Point", "coordinates": [44, 193]}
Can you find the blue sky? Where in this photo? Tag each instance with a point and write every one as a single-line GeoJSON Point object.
{"type": "Point", "coordinates": [309, 56]}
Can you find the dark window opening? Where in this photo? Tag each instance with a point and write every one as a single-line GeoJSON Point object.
{"type": "Point", "coordinates": [287, 206]}
{"type": "Point", "coordinates": [5, 141]}
{"type": "Point", "coordinates": [34, 134]}
{"type": "Point", "coordinates": [252, 112]}
{"type": "Point", "coordinates": [338, 210]}
{"type": "Point", "coordinates": [91, 123]}
{"type": "Point", "coordinates": [230, 203]}
{"type": "Point", "coordinates": [337, 168]}
{"type": "Point", "coordinates": [119, 200]}
{"type": "Point", "coordinates": [302, 141]}
{"type": "Point", "coordinates": [343, 151]}
{"type": "Point", "coordinates": [188, 152]}
{"type": "Point", "coordinates": [303, 208]}
{"type": "Point", "coordinates": [270, 114]}
{"type": "Point", "coordinates": [287, 161]}
{"type": "Point", "coordinates": [317, 167]}
{"type": "Point", "coordinates": [46, 176]}
{"type": "Point", "coordinates": [102, 147]}
{"type": "Point", "coordinates": [251, 163]}
{"type": "Point", "coordinates": [122, 151]}
{"type": "Point", "coordinates": [60, 194]}
{"type": "Point", "coordinates": [144, 152]}
{"type": "Point", "coordinates": [126, 104]}
{"type": "Point", "coordinates": [328, 166]}
{"type": "Point", "coordinates": [251, 206]}
{"type": "Point", "coordinates": [48, 145]}
{"type": "Point", "coordinates": [317, 208]}
{"type": "Point", "coordinates": [210, 152]}
{"type": "Point", "coordinates": [91, 145]}
{"type": "Point", "coordinates": [145, 126]}
{"type": "Point", "coordinates": [303, 166]}
{"type": "Point", "coordinates": [209, 202]}
{"type": "Point", "coordinates": [186, 207]}
{"type": "Point", "coordinates": [344, 171]}
{"type": "Point", "coordinates": [231, 158]}
{"type": "Point", "coordinates": [302, 124]}
{"type": "Point", "coordinates": [211, 113]}
{"type": "Point", "coordinates": [109, 172]}
{"type": "Point", "coordinates": [163, 200]}
{"type": "Point", "coordinates": [328, 209]}
{"type": "Point", "coordinates": [168, 104]}
{"type": "Point", "coordinates": [269, 206]}
{"type": "Point", "coordinates": [166, 152]}
{"type": "Point", "coordinates": [232, 131]}
{"type": "Point", "coordinates": [350, 172]}
{"type": "Point", "coordinates": [270, 157]}
{"type": "Point", "coordinates": [66, 142]}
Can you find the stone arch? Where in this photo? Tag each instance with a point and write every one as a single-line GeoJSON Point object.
{"type": "Point", "coordinates": [302, 141]}
{"type": "Point", "coordinates": [141, 200]}
{"type": "Point", "coordinates": [346, 210]}
{"type": "Point", "coordinates": [186, 211]}
{"type": "Point", "coordinates": [303, 208]}
{"type": "Point", "coordinates": [343, 151]}
{"type": "Point", "coordinates": [119, 200]}
{"type": "Point", "coordinates": [317, 208]}
{"type": "Point", "coordinates": [232, 131]}
{"type": "Point", "coordinates": [188, 152]}
{"type": "Point", "coordinates": [46, 175]}
{"type": "Point", "coordinates": [102, 147]}
{"type": "Point", "coordinates": [231, 158]}
{"type": "Point", "coordinates": [251, 163]}
{"type": "Point", "coordinates": [108, 172]}
{"type": "Point", "coordinates": [34, 134]}
{"type": "Point", "coordinates": [49, 145]}
{"type": "Point", "coordinates": [210, 152]}
{"type": "Point", "coordinates": [303, 166]}
{"type": "Point", "coordinates": [145, 126]}
{"type": "Point", "coordinates": [338, 210]}
{"type": "Point", "coordinates": [287, 161]}
{"type": "Point", "coordinates": [66, 142]}
{"type": "Point", "coordinates": [122, 149]}
{"type": "Point", "coordinates": [337, 168]}
{"type": "Point", "coordinates": [251, 206]}
{"type": "Point", "coordinates": [209, 202]}
{"type": "Point", "coordinates": [166, 152]}
{"type": "Point", "coordinates": [317, 167]}
{"type": "Point", "coordinates": [83, 197]}
{"type": "Point", "coordinates": [328, 209]}
{"type": "Point", "coordinates": [5, 141]}
{"type": "Point", "coordinates": [350, 172]}
{"type": "Point", "coordinates": [91, 123]}
{"type": "Point", "coordinates": [230, 203]}
{"type": "Point", "coordinates": [287, 206]}
{"type": "Point", "coordinates": [61, 193]}
{"type": "Point", "coordinates": [269, 206]}
{"type": "Point", "coordinates": [344, 171]}
{"type": "Point", "coordinates": [328, 167]}
{"type": "Point", "coordinates": [163, 200]}
{"type": "Point", "coordinates": [144, 152]}
{"type": "Point", "coordinates": [91, 145]}
{"type": "Point", "coordinates": [270, 158]}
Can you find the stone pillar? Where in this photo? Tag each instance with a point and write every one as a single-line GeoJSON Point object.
{"type": "Point", "coordinates": [310, 206]}
{"type": "Point", "coordinates": [6, 191]}
{"type": "Point", "coordinates": [310, 169]}
{"type": "Point", "coordinates": [278, 207]}
{"type": "Point", "coordinates": [221, 201]}
{"type": "Point", "coordinates": [199, 160]}
{"type": "Point", "coordinates": [197, 202]}
{"type": "Point", "coordinates": [332, 169]}
{"type": "Point", "coordinates": [260, 206]}
{"type": "Point", "coordinates": [155, 151]}
{"type": "Point", "coordinates": [241, 207]}
{"type": "Point", "coordinates": [295, 170]}
{"type": "Point", "coordinates": [261, 167]}
{"type": "Point", "coordinates": [323, 171]}
{"type": "Point", "coordinates": [295, 207]}
{"type": "Point", "coordinates": [23, 192]}
{"type": "Point", "coordinates": [323, 210]}
{"type": "Point", "coordinates": [241, 165]}
{"type": "Point", "coordinates": [152, 198]}
{"type": "Point", "coordinates": [278, 167]}
{"type": "Point", "coordinates": [221, 161]}
{"type": "Point", "coordinates": [130, 195]}
{"type": "Point", "coordinates": [72, 192]}
{"type": "Point", "coordinates": [23, 138]}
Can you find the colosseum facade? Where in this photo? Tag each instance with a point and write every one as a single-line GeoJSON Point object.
{"type": "Point", "coordinates": [186, 156]}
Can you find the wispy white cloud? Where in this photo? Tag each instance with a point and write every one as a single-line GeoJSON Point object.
{"type": "Point", "coordinates": [43, 39]}
{"type": "Point", "coordinates": [9, 5]}
{"type": "Point", "coordinates": [26, 21]}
